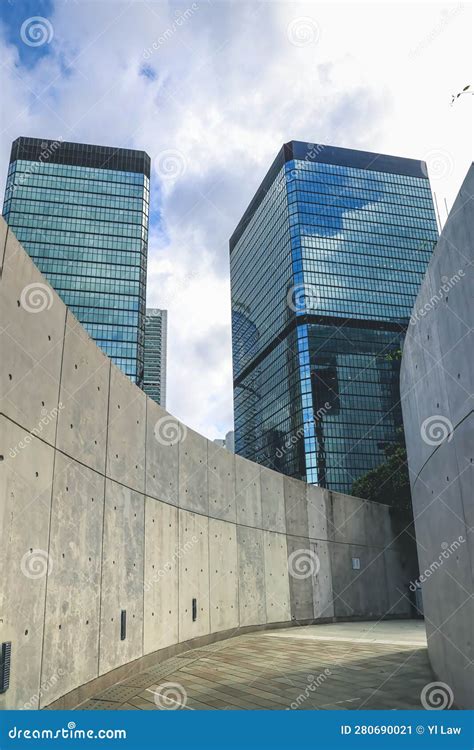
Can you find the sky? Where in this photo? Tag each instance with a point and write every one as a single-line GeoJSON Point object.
{"type": "Point", "coordinates": [211, 90]}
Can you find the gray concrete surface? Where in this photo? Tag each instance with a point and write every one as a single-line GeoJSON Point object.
{"type": "Point", "coordinates": [108, 503]}
{"type": "Point", "coordinates": [437, 386]}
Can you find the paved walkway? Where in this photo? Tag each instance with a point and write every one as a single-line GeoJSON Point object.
{"type": "Point", "coordinates": [337, 666]}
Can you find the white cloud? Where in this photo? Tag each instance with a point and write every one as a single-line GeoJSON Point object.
{"type": "Point", "coordinates": [226, 88]}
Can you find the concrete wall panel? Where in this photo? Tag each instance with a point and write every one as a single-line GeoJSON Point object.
{"type": "Point", "coordinates": [193, 575]}
{"type": "Point", "coordinates": [223, 567]}
{"type": "Point", "coordinates": [221, 478]}
{"type": "Point", "coordinates": [193, 480]}
{"type": "Point", "coordinates": [358, 592]}
{"type": "Point", "coordinates": [323, 604]}
{"type": "Point", "coordinates": [126, 432]}
{"type": "Point", "coordinates": [84, 395]}
{"type": "Point", "coordinates": [122, 576]}
{"type": "Point", "coordinates": [73, 586]}
{"type": "Point", "coordinates": [252, 604]}
{"type": "Point", "coordinates": [301, 569]}
{"type": "Point", "coordinates": [163, 435]}
{"type": "Point", "coordinates": [31, 344]}
{"type": "Point", "coordinates": [26, 475]}
{"type": "Point", "coordinates": [296, 507]}
{"type": "Point", "coordinates": [319, 520]}
{"type": "Point", "coordinates": [161, 575]}
{"type": "Point", "coordinates": [349, 519]}
{"type": "Point", "coordinates": [273, 500]}
{"type": "Point", "coordinates": [248, 496]}
{"type": "Point", "coordinates": [277, 588]}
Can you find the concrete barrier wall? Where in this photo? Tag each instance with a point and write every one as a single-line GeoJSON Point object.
{"type": "Point", "coordinates": [437, 383]}
{"type": "Point", "coordinates": [108, 503]}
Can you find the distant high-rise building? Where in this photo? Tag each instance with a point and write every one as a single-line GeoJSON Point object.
{"type": "Point", "coordinates": [325, 266]}
{"type": "Point", "coordinates": [227, 442]}
{"type": "Point", "coordinates": [154, 382]}
{"type": "Point", "coordinates": [81, 212]}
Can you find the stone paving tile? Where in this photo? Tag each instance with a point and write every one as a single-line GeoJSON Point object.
{"type": "Point", "coordinates": [263, 671]}
{"type": "Point", "coordinates": [94, 705]}
{"type": "Point", "coordinates": [118, 693]}
{"type": "Point", "coordinates": [144, 679]}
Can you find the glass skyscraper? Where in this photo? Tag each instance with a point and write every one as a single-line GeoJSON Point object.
{"type": "Point", "coordinates": [154, 382]}
{"type": "Point", "coordinates": [325, 266]}
{"type": "Point", "coordinates": [81, 212]}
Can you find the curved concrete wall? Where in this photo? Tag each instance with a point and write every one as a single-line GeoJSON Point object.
{"type": "Point", "coordinates": [437, 385]}
{"type": "Point", "coordinates": [109, 503]}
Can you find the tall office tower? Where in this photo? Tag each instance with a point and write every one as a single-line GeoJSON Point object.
{"type": "Point", "coordinates": [154, 381]}
{"type": "Point", "coordinates": [325, 266]}
{"type": "Point", "coordinates": [81, 212]}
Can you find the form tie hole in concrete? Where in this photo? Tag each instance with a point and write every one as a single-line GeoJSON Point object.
{"type": "Point", "coordinates": [1, 458]}
{"type": "Point", "coordinates": [98, 387]}
{"type": "Point", "coordinates": [36, 474]}
{"type": "Point", "coordinates": [75, 367]}
{"type": "Point", "coordinates": [42, 403]}
{"type": "Point", "coordinates": [9, 376]}
{"type": "Point", "coordinates": [26, 632]}
{"type": "Point", "coordinates": [49, 337]}
{"type": "Point", "coordinates": [18, 302]}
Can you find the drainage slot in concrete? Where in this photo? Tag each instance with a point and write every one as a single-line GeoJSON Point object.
{"type": "Point", "coordinates": [194, 610]}
{"type": "Point", "coordinates": [123, 624]}
{"type": "Point", "coordinates": [5, 661]}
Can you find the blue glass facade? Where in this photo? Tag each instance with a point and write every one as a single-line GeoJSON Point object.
{"type": "Point", "coordinates": [325, 267]}
{"type": "Point", "coordinates": [81, 212]}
